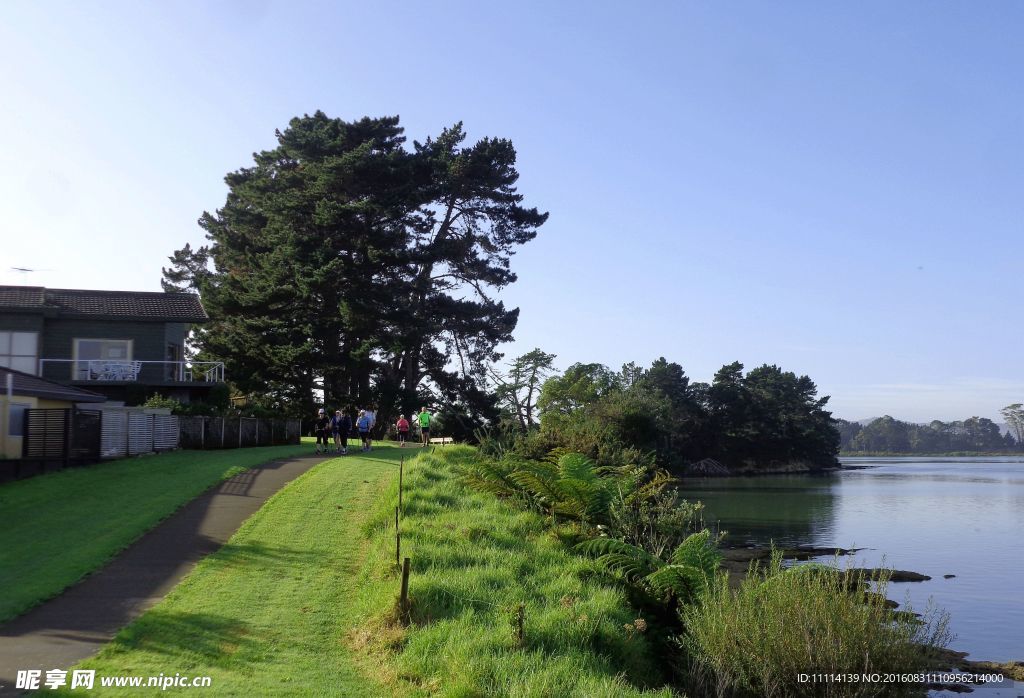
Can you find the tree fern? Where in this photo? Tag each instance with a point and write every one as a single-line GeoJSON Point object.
{"type": "Point", "coordinates": [690, 574]}
{"type": "Point", "coordinates": [493, 477]}
{"type": "Point", "coordinates": [698, 551]}
{"type": "Point", "coordinates": [619, 557]}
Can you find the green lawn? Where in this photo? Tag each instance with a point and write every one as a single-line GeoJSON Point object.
{"type": "Point", "coordinates": [268, 613]}
{"type": "Point", "coordinates": [301, 600]}
{"type": "Point", "coordinates": [56, 528]}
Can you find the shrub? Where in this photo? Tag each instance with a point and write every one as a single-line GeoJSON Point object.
{"type": "Point", "coordinates": [806, 619]}
{"type": "Point", "coordinates": [158, 401]}
{"type": "Point", "coordinates": [497, 441]}
{"type": "Point", "coordinates": [656, 523]}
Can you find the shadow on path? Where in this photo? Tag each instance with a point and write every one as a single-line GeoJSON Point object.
{"type": "Point", "coordinates": [74, 625]}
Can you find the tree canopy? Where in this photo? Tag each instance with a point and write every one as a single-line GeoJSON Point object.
{"type": "Point", "coordinates": [766, 418]}
{"type": "Point", "coordinates": [343, 260]}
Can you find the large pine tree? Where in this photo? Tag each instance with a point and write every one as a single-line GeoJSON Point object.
{"type": "Point", "coordinates": [344, 260]}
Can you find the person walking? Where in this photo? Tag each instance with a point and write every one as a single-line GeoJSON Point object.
{"type": "Point", "coordinates": [322, 429]}
{"type": "Point", "coordinates": [424, 419]}
{"type": "Point", "coordinates": [340, 427]}
{"type": "Point", "coordinates": [363, 425]}
{"type": "Point", "coordinates": [344, 431]}
{"type": "Point", "coordinates": [371, 413]}
{"type": "Point", "coordinates": [403, 430]}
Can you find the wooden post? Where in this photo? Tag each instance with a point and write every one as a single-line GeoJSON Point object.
{"type": "Point", "coordinates": [67, 436]}
{"type": "Point", "coordinates": [403, 600]}
{"type": "Point", "coordinates": [401, 468]}
{"type": "Point", "coordinates": [398, 540]}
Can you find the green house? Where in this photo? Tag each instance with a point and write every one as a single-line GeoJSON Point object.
{"type": "Point", "coordinates": [124, 345]}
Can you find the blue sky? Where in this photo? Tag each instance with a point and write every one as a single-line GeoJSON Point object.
{"type": "Point", "coordinates": [835, 188]}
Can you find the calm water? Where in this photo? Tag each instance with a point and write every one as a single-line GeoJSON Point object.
{"type": "Point", "coordinates": [936, 516]}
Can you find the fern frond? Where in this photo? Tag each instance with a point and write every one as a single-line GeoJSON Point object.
{"type": "Point", "coordinates": [603, 546]}
{"type": "Point", "coordinates": [588, 499]}
{"type": "Point", "coordinates": [576, 466]}
{"type": "Point", "coordinates": [619, 556]}
{"type": "Point", "coordinates": [492, 477]}
{"type": "Point", "coordinates": [683, 581]}
{"type": "Point", "coordinates": [700, 552]}
{"type": "Point", "coordinates": [652, 488]}
{"type": "Point", "coordinates": [539, 479]}
{"type": "Point", "coordinates": [631, 568]}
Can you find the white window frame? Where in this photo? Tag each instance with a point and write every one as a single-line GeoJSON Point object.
{"type": "Point", "coordinates": [7, 357]}
{"type": "Point", "coordinates": [77, 340]}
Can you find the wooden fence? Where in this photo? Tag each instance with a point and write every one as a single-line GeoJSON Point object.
{"type": "Point", "coordinates": [58, 438]}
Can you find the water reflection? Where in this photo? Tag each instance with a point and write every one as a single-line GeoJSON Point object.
{"type": "Point", "coordinates": [788, 509]}
{"type": "Point", "coordinates": [946, 516]}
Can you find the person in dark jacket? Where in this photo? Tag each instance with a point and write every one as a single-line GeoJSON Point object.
{"type": "Point", "coordinates": [322, 429]}
{"type": "Point", "coordinates": [341, 425]}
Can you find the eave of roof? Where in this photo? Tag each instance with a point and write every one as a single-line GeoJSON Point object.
{"type": "Point", "coordinates": [29, 385]}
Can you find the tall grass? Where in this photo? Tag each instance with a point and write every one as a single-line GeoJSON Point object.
{"type": "Point", "coordinates": [476, 561]}
{"type": "Point", "coordinates": [808, 619]}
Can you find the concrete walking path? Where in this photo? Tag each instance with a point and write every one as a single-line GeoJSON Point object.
{"type": "Point", "coordinates": [74, 625]}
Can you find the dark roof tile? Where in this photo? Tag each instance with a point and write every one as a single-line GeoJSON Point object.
{"type": "Point", "coordinates": [22, 296]}
{"type": "Point", "coordinates": [139, 305]}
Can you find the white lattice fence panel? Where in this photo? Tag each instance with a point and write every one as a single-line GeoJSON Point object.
{"type": "Point", "coordinates": [140, 434]}
{"type": "Point", "coordinates": [114, 434]}
{"type": "Point", "coordinates": [165, 432]}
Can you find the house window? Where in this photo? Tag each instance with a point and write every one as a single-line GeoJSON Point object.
{"type": "Point", "coordinates": [19, 350]}
{"type": "Point", "coordinates": [94, 356]}
{"type": "Point", "coordinates": [16, 418]}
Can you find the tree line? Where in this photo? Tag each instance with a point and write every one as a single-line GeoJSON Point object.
{"type": "Point", "coordinates": [764, 419]}
{"type": "Point", "coordinates": [889, 435]}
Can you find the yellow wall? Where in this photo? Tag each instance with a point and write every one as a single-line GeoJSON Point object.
{"type": "Point", "coordinates": [10, 446]}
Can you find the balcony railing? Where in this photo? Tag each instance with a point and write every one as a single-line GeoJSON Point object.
{"type": "Point", "coordinates": [133, 371]}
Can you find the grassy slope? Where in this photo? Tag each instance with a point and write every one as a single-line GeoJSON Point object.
{"type": "Point", "coordinates": [56, 528]}
{"type": "Point", "coordinates": [301, 599]}
{"type": "Point", "coordinates": [475, 559]}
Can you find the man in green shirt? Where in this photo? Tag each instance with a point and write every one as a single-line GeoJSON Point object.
{"type": "Point", "coordinates": [424, 418]}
